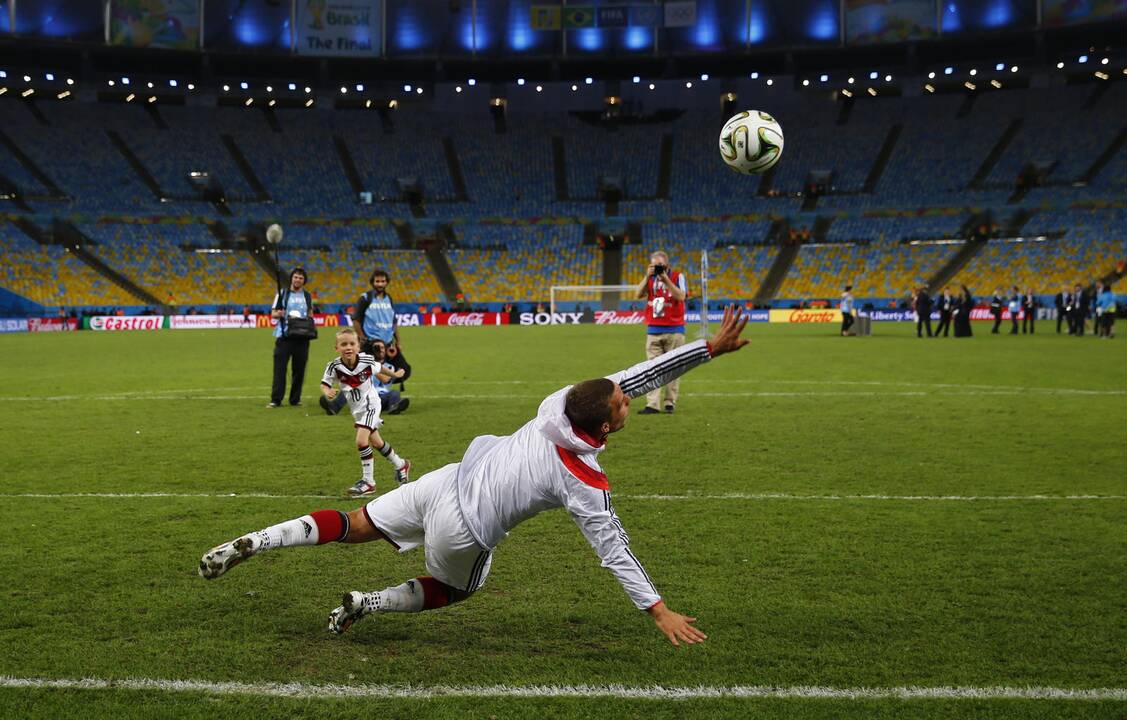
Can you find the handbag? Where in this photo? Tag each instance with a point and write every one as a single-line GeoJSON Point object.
{"type": "Point", "coordinates": [302, 328]}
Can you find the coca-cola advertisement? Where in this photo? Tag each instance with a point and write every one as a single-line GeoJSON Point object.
{"type": "Point", "coordinates": [466, 318]}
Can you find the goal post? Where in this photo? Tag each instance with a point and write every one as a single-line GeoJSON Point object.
{"type": "Point", "coordinates": [704, 293]}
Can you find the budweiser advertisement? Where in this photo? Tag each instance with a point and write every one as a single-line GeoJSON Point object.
{"type": "Point", "coordinates": [806, 316]}
{"type": "Point", "coordinates": [126, 322]}
{"type": "Point", "coordinates": [466, 318]}
{"type": "Point", "coordinates": [54, 324]}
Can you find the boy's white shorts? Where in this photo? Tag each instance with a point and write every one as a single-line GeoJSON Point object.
{"type": "Point", "coordinates": [366, 414]}
{"type": "Point", "coordinates": [426, 512]}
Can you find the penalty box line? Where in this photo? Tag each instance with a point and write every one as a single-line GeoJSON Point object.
{"type": "Point", "coordinates": [619, 496]}
{"type": "Point", "coordinates": [626, 692]}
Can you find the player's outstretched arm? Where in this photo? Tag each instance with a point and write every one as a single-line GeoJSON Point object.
{"type": "Point", "coordinates": [677, 627]}
{"type": "Point", "coordinates": [646, 376]}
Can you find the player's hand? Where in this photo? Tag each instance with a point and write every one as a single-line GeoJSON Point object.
{"type": "Point", "coordinates": [331, 394]}
{"type": "Point", "coordinates": [399, 373]}
{"type": "Point", "coordinates": [650, 270]}
{"type": "Point", "coordinates": [727, 339]}
{"type": "Point", "coordinates": [677, 627]}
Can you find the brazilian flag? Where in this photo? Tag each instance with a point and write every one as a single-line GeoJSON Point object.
{"type": "Point", "coordinates": [578, 16]}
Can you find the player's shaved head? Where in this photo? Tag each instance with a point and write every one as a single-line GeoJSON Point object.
{"type": "Point", "coordinates": [587, 404]}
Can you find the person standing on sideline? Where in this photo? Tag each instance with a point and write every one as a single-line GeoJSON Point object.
{"type": "Point", "coordinates": [1079, 310]}
{"type": "Point", "coordinates": [963, 305]}
{"type": "Point", "coordinates": [996, 305]}
{"type": "Point", "coordinates": [459, 513]}
{"type": "Point", "coordinates": [1061, 302]}
{"type": "Point", "coordinates": [1029, 310]}
{"type": "Point", "coordinates": [946, 307]}
{"type": "Point", "coordinates": [922, 306]}
{"type": "Point", "coordinates": [847, 311]}
{"type": "Point", "coordinates": [292, 302]}
{"type": "Point", "coordinates": [1015, 309]}
{"type": "Point", "coordinates": [1105, 302]}
{"type": "Point", "coordinates": [664, 290]}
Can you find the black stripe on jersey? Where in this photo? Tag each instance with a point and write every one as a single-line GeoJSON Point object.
{"type": "Point", "coordinates": [644, 573]}
{"type": "Point", "coordinates": [665, 367]}
{"type": "Point", "coordinates": [662, 369]}
{"type": "Point", "coordinates": [606, 501]}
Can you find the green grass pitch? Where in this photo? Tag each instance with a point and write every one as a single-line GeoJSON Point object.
{"type": "Point", "coordinates": [810, 502]}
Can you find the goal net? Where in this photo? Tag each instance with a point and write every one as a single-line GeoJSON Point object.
{"type": "Point", "coordinates": [570, 298]}
{"type": "Point", "coordinates": [579, 298]}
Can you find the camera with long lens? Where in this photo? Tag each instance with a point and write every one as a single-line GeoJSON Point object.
{"type": "Point", "coordinates": [659, 270]}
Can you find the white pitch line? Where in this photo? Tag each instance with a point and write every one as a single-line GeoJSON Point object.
{"type": "Point", "coordinates": [619, 496]}
{"type": "Point", "coordinates": [626, 692]}
{"type": "Point", "coordinates": [182, 396]}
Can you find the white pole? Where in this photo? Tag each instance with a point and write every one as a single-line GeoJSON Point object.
{"type": "Point", "coordinates": [704, 292]}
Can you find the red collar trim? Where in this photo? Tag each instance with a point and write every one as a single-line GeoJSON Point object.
{"type": "Point", "coordinates": [583, 472]}
{"type": "Point", "coordinates": [587, 438]}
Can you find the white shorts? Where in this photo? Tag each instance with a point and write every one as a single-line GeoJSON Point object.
{"type": "Point", "coordinates": [366, 414]}
{"type": "Point", "coordinates": [426, 513]}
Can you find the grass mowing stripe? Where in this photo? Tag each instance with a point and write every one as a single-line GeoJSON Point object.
{"type": "Point", "coordinates": [1063, 392]}
{"type": "Point", "coordinates": [619, 496]}
{"type": "Point", "coordinates": [656, 692]}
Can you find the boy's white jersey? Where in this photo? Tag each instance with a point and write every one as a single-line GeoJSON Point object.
{"type": "Point", "coordinates": [549, 463]}
{"type": "Point", "coordinates": [356, 383]}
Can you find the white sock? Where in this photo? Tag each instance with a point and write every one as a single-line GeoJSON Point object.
{"type": "Point", "coordinates": [299, 531]}
{"type": "Point", "coordinates": [366, 464]}
{"type": "Point", "coordinates": [406, 598]}
{"type": "Point", "coordinates": [389, 452]}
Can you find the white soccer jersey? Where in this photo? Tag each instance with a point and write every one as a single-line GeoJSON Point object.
{"type": "Point", "coordinates": [358, 384]}
{"type": "Point", "coordinates": [548, 463]}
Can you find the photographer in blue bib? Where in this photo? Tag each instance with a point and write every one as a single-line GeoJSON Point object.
{"type": "Point", "coordinates": [375, 323]}
{"type": "Point", "coordinates": [293, 309]}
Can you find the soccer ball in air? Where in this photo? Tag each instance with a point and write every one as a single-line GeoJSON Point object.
{"type": "Point", "coordinates": [274, 234]}
{"type": "Point", "coordinates": [751, 142]}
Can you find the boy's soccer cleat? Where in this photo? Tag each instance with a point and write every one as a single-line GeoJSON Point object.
{"type": "Point", "coordinates": [362, 487]}
{"type": "Point", "coordinates": [403, 474]}
{"type": "Point", "coordinates": [354, 605]}
{"type": "Point", "coordinates": [222, 558]}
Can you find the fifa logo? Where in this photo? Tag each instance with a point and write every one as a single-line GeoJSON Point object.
{"type": "Point", "coordinates": [317, 10]}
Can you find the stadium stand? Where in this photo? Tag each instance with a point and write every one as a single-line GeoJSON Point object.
{"type": "Point", "coordinates": [338, 272]}
{"type": "Point", "coordinates": [881, 241]}
{"type": "Point", "coordinates": [163, 259]}
{"type": "Point", "coordinates": [51, 276]}
{"type": "Point", "coordinates": [535, 258]}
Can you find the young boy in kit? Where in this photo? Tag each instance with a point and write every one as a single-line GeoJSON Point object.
{"type": "Point", "coordinates": [357, 374]}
